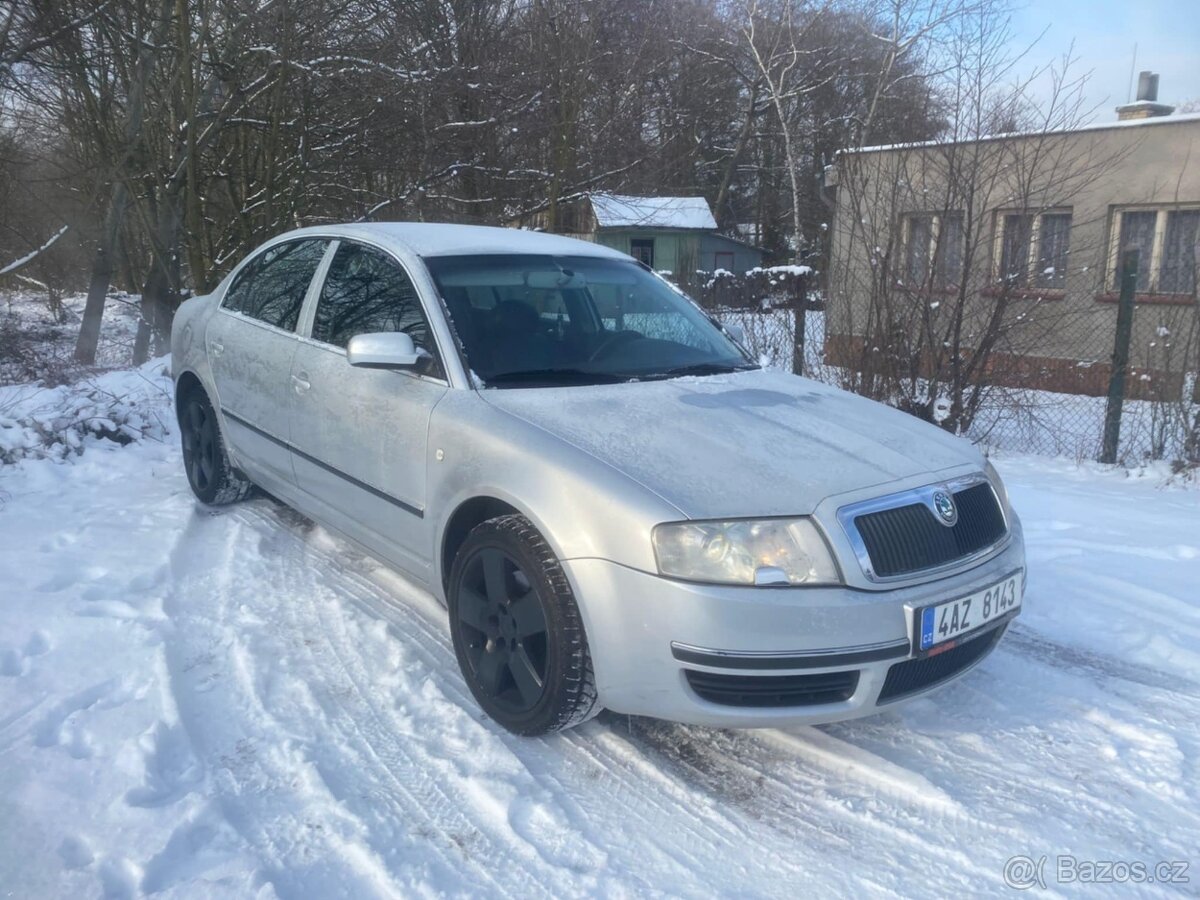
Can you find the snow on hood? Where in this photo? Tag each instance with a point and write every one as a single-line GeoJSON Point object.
{"type": "Point", "coordinates": [747, 444]}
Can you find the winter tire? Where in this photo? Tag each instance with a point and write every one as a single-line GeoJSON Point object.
{"type": "Point", "coordinates": [517, 631]}
{"type": "Point", "coordinates": [213, 479]}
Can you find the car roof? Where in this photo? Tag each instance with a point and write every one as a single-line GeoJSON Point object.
{"type": "Point", "coordinates": [441, 239]}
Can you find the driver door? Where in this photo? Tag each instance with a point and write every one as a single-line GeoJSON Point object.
{"type": "Point", "coordinates": [359, 436]}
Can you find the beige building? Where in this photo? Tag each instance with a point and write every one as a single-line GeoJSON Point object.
{"type": "Point", "coordinates": [1014, 243]}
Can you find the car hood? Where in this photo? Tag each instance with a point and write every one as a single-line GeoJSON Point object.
{"type": "Point", "coordinates": [753, 443]}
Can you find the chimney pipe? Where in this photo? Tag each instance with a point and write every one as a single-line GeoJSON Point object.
{"type": "Point", "coordinates": [1147, 86]}
{"type": "Point", "coordinates": [1146, 106]}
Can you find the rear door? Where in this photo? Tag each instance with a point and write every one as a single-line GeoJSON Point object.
{"type": "Point", "coordinates": [359, 436]}
{"type": "Point", "coordinates": [251, 341]}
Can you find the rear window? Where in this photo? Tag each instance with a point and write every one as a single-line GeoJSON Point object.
{"type": "Point", "coordinates": [271, 288]}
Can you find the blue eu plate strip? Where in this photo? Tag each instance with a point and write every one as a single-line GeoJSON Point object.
{"type": "Point", "coordinates": [927, 617]}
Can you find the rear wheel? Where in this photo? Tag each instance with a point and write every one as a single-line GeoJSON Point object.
{"type": "Point", "coordinates": [517, 631]}
{"type": "Point", "coordinates": [210, 474]}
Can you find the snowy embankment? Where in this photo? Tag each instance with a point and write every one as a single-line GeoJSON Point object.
{"type": "Point", "coordinates": [233, 703]}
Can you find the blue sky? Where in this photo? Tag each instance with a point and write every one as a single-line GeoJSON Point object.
{"type": "Point", "coordinates": [1167, 34]}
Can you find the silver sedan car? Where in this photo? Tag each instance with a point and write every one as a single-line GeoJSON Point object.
{"type": "Point", "coordinates": [618, 507]}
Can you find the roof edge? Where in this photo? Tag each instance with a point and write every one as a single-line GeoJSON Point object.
{"type": "Point", "coordinates": [1183, 119]}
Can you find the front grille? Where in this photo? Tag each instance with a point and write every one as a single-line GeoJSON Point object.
{"type": "Point", "coordinates": [773, 690]}
{"type": "Point", "coordinates": [919, 674]}
{"type": "Point", "coordinates": [907, 539]}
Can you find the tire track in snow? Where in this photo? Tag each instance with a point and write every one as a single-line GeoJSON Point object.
{"type": "Point", "coordinates": [797, 784]}
{"type": "Point", "coordinates": [691, 795]}
{"type": "Point", "coordinates": [266, 788]}
{"type": "Point", "coordinates": [787, 792]}
{"type": "Point", "coordinates": [1027, 642]}
{"type": "Point", "coordinates": [684, 841]}
{"type": "Point", "coordinates": [390, 755]}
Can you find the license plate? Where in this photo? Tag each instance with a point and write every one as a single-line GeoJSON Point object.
{"type": "Point", "coordinates": [946, 621]}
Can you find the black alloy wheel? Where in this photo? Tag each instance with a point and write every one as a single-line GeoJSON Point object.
{"type": "Point", "coordinates": [505, 629]}
{"type": "Point", "coordinates": [199, 431]}
{"type": "Point", "coordinates": [517, 630]}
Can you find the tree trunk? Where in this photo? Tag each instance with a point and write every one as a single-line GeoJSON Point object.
{"type": "Point", "coordinates": [161, 290]}
{"type": "Point", "coordinates": [102, 265]}
{"type": "Point", "coordinates": [102, 271]}
{"type": "Point", "coordinates": [731, 165]}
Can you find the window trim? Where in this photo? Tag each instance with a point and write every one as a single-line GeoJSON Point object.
{"type": "Point", "coordinates": [308, 313]}
{"type": "Point", "coordinates": [1112, 279]}
{"type": "Point", "coordinates": [1029, 287]}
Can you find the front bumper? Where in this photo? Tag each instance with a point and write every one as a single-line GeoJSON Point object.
{"type": "Point", "coordinates": [646, 633]}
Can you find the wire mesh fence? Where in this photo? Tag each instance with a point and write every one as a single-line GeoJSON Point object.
{"type": "Point", "coordinates": [1033, 405]}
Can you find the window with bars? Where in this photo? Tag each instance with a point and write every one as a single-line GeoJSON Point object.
{"type": "Point", "coordinates": [933, 250]}
{"type": "Point", "coordinates": [1167, 241]}
{"type": "Point", "coordinates": [1033, 249]}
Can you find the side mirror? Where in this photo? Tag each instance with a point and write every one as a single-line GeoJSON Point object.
{"type": "Point", "coordinates": [738, 333]}
{"type": "Point", "coordinates": [383, 350]}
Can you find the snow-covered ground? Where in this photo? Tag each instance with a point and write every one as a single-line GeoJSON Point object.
{"type": "Point", "coordinates": [234, 703]}
{"type": "Point", "coordinates": [48, 342]}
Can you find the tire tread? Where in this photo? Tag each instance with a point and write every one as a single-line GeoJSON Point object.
{"type": "Point", "coordinates": [580, 699]}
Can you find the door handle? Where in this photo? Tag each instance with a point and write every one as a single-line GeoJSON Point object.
{"type": "Point", "coordinates": [301, 383]}
{"type": "Point", "coordinates": [216, 348]}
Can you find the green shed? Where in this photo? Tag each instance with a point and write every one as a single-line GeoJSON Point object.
{"type": "Point", "coordinates": [669, 234]}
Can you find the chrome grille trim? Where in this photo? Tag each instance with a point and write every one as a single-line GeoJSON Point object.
{"type": "Point", "coordinates": [924, 496]}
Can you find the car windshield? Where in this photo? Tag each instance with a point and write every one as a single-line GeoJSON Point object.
{"type": "Point", "coordinates": [528, 320]}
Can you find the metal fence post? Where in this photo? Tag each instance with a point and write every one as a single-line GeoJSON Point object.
{"type": "Point", "coordinates": [1120, 357]}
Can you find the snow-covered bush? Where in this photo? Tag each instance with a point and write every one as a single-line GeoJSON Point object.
{"type": "Point", "coordinates": [59, 422]}
{"type": "Point", "coordinates": [759, 288]}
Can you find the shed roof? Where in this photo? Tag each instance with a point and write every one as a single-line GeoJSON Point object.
{"type": "Point", "coordinates": [624, 211]}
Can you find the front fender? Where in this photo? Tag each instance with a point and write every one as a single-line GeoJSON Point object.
{"type": "Point", "coordinates": [584, 508]}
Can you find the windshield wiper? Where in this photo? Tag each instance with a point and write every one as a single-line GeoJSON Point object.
{"type": "Point", "coordinates": [704, 368]}
{"type": "Point", "coordinates": [564, 376]}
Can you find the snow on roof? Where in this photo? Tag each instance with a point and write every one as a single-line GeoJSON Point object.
{"type": "Point", "coordinates": [1095, 126]}
{"type": "Point", "coordinates": [622, 211]}
{"type": "Point", "coordinates": [439, 239]}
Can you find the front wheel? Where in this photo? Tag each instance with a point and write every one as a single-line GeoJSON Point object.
{"type": "Point", "coordinates": [517, 631]}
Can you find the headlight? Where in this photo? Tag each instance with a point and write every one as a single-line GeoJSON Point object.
{"type": "Point", "coordinates": [998, 483]}
{"type": "Point", "coordinates": [740, 551]}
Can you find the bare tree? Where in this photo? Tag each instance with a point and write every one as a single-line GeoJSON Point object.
{"type": "Point", "coordinates": [950, 255]}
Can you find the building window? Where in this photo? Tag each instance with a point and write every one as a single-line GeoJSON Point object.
{"type": "Point", "coordinates": [1054, 244]}
{"type": "Point", "coordinates": [723, 259]}
{"type": "Point", "coordinates": [1177, 267]}
{"type": "Point", "coordinates": [1014, 249]}
{"type": "Point", "coordinates": [948, 251]}
{"type": "Point", "coordinates": [933, 250]}
{"type": "Point", "coordinates": [1033, 249]}
{"type": "Point", "coordinates": [1137, 233]}
{"type": "Point", "coordinates": [1166, 241]}
{"type": "Point", "coordinates": [642, 249]}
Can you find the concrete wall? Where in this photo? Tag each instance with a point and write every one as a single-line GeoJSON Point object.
{"type": "Point", "coordinates": [1091, 173]}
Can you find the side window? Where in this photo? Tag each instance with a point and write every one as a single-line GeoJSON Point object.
{"type": "Point", "coordinates": [365, 291]}
{"type": "Point", "coordinates": [272, 287]}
